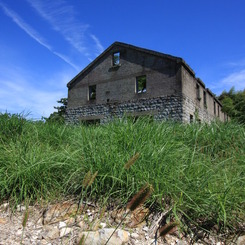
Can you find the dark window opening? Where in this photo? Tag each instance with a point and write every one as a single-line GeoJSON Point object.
{"type": "Point", "coordinates": [141, 84]}
{"type": "Point", "coordinates": [191, 118]}
{"type": "Point", "coordinates": [92, 92]}
{"type": "Point", "coordinates": [134, 118]}
{"type": "Point", "coordinates": [214, 108]}
{"type": "Point", "coordinates": [204, 99]}
{"type": "Point", "coordinates": [218, 110]}
{"type": "Point", "coordinates": [91, 122]}
{"type": "Point", "coordinates": [198, 92]}
{"type": "Point", "coordinates": [116, 59]}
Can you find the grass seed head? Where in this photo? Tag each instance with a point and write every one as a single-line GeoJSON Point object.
{"type": "Point", "coordinates": [86, 179]}
{"type": "Point", "coordinates": [131, 161]}
{"type": "Point", "coordinates": [102, 212]}
{"type": "Point", "coordinates": [92, 178]}
{"type": "Point", "coordinates": [168, 228]}
{"type": "Point", "coordinates": [25, 218]}
{"type": "Point", "coordinates": [140, 197]}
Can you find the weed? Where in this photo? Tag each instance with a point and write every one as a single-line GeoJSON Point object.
{"type": "Point", "coordinates": [199, 169]}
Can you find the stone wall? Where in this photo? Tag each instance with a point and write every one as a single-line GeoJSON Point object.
{"type": "Point", "coordinates": [196, 105]}
{"type": "Point", "coordinates": [200, 113]}
{"type": "Point", "coordinates": [175, 107]}
{"type": "Point", "coordinates": [161, 108]}
{"type": "Point", "coordinates": [190, 108]}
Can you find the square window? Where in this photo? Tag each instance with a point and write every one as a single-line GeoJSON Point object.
{"type": "Point", "coordinates": [141, 84]}
{"type": "Point", "coordinates": [92, 92]}
{"type": "Point", "coordinates": [116, 59]}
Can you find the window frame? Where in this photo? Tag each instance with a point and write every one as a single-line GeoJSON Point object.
{"type": "Point", "coordinates": [92, 89]}
{"type": "Point", "coordinates": [144, 89]}
{"type": "Point", "coordinates": [191, 118]}
{"type": "Point", "coordinates": [114, 61]}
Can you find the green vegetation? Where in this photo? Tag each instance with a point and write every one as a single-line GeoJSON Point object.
{"type": "Point", "coordinates": [196, 171]}
{"type": "Point", "coordinates": [234, 104]}
{"type": "Point", "coordinates": [59, 115]}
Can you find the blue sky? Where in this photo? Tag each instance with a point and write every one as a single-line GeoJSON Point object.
{"type": "Point", "coordinates": [44, 43]}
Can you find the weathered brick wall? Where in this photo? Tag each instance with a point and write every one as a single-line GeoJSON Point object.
{"type": "Point", "coordinates": [118, 84]}
{"type": "Point", "coordinates": [190, 108]}
{"type": "Point", "coordinates": [195, 106]}
{"type": "Point", "coordinates": [161, 108]}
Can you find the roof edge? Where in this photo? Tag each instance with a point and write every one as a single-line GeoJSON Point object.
{"type": "Point", "coordinates": [125, 45]}
{"type": "Point", "coordinates": [90, 65]}
{"type": "Point", "coordinates": [214, 96]}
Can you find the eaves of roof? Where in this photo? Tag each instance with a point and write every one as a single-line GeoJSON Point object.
{"type": "Point", "coordinates": [214, 96]}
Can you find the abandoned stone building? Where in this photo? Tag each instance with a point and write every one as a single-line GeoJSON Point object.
{"type": "Point", "coordinates": [130, 81]}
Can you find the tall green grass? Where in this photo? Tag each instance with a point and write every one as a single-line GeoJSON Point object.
{"type": "Point", "coordinates": [196, 170]}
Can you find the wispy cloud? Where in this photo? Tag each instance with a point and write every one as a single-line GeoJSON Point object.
{"type": "Point", "coordinates": [233, 79]}
{"type": "Point", "coordinates": [18, 95]}
{"type": "Point", "coordinates": [38, 102]}
{"type": "Point", "coordinates": [236, 79]}
{"type": "Point", "coordinates": [61, 16]}
{"type": "Point", "coordinates": [24, 26]}
{"type": "Point", "coordinates": [67, 60]}
{"type": "Point", "coordinates": [33, 33]}
{"type": "Point", "coordinates": [235, 64]}
{"type": "Point", "coordinates": [234, 76]}
{"type": "Point", "coordinates": [99, 46]}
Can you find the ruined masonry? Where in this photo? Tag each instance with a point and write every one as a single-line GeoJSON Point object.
{"type": "Point", "coordinates": [130, 81]}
